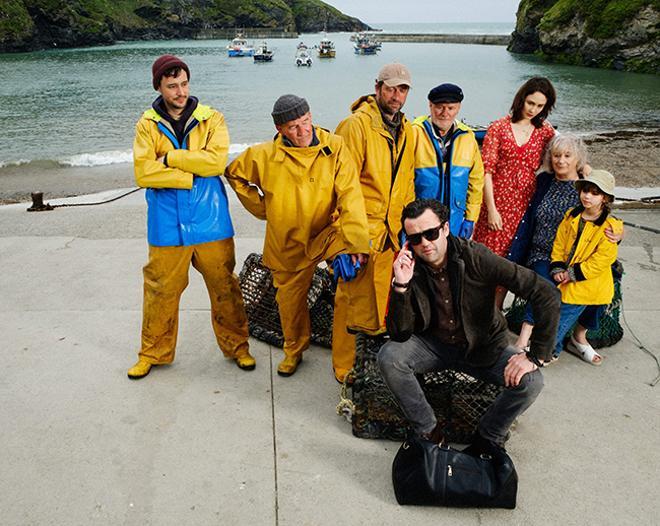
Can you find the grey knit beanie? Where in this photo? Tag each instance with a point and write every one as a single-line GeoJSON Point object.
{"type": "Point", "coordinates": [288, 108]}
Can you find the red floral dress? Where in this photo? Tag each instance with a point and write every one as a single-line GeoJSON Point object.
{"type": "Point", "coordinates": [513, 170]}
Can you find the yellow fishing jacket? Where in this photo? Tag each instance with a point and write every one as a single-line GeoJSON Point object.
{"type": "Point", "coordinates": [458, 181]}
{"type": "Point", "coordinates": [207, 143]}
{"type": "Point", "coordinates": [187, 202]}
{"type": "Point", "coordinates": [375, 153]}
{"type": "Point", "coordinates": [309, 196]}
{"type": "Point", "coordinates": [592, 261]}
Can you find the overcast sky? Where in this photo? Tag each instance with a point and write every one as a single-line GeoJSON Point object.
{"type": "Point", "coordinates": [429, 10]}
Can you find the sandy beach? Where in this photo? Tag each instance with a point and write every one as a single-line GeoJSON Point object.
{"type": "Point", "coordinates": [633, 157]}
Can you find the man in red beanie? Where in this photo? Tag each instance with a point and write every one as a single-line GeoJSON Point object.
{"type": "Point", "coordinates": [180, 150]}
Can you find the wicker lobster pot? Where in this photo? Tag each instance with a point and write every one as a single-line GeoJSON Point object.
{"type": "Point", "coordinates": [458, 399]}
{"type": "Point", "coordinates": [256, 282]}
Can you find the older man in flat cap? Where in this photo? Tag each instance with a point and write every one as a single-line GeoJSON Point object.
{"type": "Point", "coordinates": [180, 150]}
{"type": "Point", "coordinates": [305, 186]}
{"type": "Point", "coordinates": [448, 164]}
{"type": "Point", "coordinates": [381, 143]}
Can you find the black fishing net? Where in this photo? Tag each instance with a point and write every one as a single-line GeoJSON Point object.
{"type": "Point", "coordinates": [609, 329]}
{"type": "Point", "coordinates": [256, 283]}
{"type": "Point", "coordinates": [458, 399]}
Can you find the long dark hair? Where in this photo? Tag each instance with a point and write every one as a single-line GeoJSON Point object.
{"type": "Point", "coordinates": [542, 85]}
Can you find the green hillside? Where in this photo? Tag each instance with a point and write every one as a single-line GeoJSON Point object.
{"type": "Point", "coordinates": [37, 24]}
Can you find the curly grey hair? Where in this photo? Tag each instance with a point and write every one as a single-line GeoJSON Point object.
{"type": "Point", "coordinates": [561, 143]}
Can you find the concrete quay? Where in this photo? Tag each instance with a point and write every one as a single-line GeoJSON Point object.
{"type": "Point", "coordinates": [202, 443]}
{"type": "Point", "coordinates": [489, 40]}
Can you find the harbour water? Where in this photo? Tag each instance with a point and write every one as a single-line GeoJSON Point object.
{"type": "Point", "coordinates": [79, 106]}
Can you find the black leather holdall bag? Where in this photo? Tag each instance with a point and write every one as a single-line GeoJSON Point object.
{"type": "Point", "coordinates": [428, 474]}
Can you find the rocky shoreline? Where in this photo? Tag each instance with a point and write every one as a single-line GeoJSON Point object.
{"type": "Point", "coordinates": [618, 34]}
{"type": "Point", "coordinates": [632, 156]}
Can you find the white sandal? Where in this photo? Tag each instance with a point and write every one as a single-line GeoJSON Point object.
{"type": "Point", "coordinates": [584, 351]}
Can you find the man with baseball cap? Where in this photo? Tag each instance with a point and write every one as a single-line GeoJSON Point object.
{"type": "Point", "coordinates": [380, 140]}
{"type": "Point", "coordinates": [448, 165]}
{"type": "Point", "coordinates": [180, 150]}
{"type": "Point", "coordinates": [305, 186]}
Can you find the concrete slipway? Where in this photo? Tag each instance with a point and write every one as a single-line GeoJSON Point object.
{"type": "Point", "coordinates": [201, 442]}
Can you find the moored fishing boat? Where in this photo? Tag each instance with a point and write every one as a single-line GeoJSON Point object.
{"type": "Point", "coordinates": [302, 56]}
{"type": "Point", "coordinates": [263, 54]}
{"type": "Point", "coordinates": [326, 48]}
{"type": "Point", "coordinates": [239, 47]}
{"type": "Point", "coordinates": [366, 44]}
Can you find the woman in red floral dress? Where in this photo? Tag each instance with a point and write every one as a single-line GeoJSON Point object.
{"type": "Point", "coordinates": [512, 152]}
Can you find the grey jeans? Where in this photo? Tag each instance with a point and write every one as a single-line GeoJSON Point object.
{"type": "Point", "coordinates": [399, 362]}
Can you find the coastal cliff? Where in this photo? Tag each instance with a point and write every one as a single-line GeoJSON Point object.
{"type": "Point", "coordinates": [616, 34]}
{"type": "Point", "coordinates": [27, 25]}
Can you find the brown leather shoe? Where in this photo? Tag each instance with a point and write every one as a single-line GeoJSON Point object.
{"type": "Point", "coordinates": [289, 365]}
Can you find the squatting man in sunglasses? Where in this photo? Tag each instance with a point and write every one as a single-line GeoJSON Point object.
{"type": "Point", "coordinates": [442, 315]}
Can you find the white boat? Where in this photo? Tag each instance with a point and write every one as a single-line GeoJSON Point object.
{"type": "Point", "coordinates": [263, 54]}
{"type": "Point", "coordinates": [302, 56]}
{"type": "Point", "coordinates": [240, 47]}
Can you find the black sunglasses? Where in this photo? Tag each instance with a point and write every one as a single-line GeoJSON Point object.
{"type": "Point", "coordinates": [430, 235]}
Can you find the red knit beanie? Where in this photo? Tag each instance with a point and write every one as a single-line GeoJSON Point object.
{"type": "Point", "coordinates": [162, 64]}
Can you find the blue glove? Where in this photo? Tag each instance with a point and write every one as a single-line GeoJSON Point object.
{"type": "Point", "coordinates": [467, 227]}
{"type": "Point", "coordinates": [344, 268]}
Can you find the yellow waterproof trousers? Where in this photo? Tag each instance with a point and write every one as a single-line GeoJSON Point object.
{"type": "Point", "coordinates": [361, 306]}
{"type": "Point", "coordinates": [291, 296]}
{"type": "Point", "coordinates": [166, 277]}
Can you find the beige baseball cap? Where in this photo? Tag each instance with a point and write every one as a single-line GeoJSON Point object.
{"type": "Point", "coordinates": [601, 178]}
{"type": "Point", "coordinates": [394, 75]}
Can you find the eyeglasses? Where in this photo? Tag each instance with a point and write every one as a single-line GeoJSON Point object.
{"type": "Point", "coordinates": [430, 235]}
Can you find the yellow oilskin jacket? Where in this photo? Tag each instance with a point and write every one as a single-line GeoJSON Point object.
{"type": "Point", "coordinates": [310, 198]}
{"type": "Point", "coordinates": [207, 148]}
{"type": "Point", "coordinates": [375, 153]}
{"type": "Point", "coordinates": [187, 202]}
{"type": "Point", "coordinates": [592, 261]}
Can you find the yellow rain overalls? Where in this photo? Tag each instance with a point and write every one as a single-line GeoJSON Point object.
{"type": "Point", "coordinates": [187, 222]}
{"type": "Point", "coordinates": [310, 198]}
{"type": "Point", "coordinates": [361, 304]}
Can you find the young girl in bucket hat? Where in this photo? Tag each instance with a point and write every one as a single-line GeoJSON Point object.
{"type": "Point", "coordinates": [582, 257]}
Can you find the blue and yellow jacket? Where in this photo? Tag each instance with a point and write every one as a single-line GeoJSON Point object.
{"type": "Point", "coordinates": [458, 181]}
{"type": "Point", "coordinates": [187, 202]}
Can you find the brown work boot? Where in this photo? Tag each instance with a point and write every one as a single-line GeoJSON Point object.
{"type": "Point", "coordinates": [140, 369]}
{"type": "Point", "coordinates": [244, 360]}
{"type": "Point", "coordinates": [289, 365]}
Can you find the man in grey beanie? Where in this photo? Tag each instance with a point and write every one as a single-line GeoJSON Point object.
{"type": "Point", "coordinates": [304, 184]}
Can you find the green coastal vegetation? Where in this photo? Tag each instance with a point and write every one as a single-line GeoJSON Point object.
{"type": "Point", "coordinates": [618, 34]}
{"type": "Point", "coordinates": [37, 24]}
{"type": "Point", "coordinates": [602, 18]}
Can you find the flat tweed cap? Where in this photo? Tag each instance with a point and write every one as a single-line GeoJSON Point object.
{"type": "Point", "coordinates": [288, 108]}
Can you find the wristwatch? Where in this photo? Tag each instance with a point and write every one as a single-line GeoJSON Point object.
{"type": "Point", "coordinates": [534, 359]}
